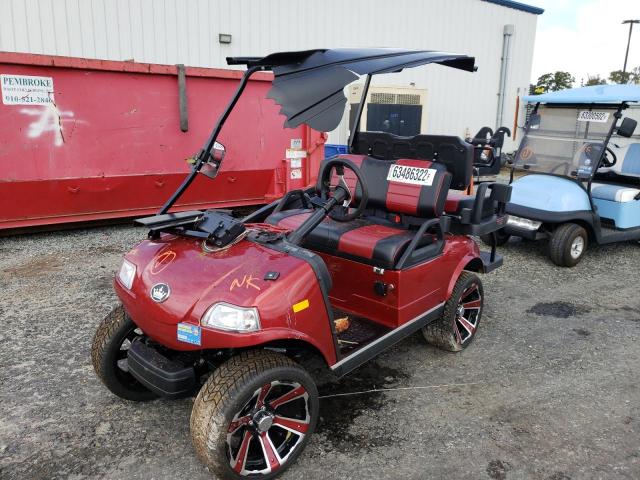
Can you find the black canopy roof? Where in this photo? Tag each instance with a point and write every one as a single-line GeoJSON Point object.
{"type": "Point", "coordinates": [308, 85]}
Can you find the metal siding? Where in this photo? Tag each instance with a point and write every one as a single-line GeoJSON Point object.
{"type": "Point", "coordinates": [181, 31]}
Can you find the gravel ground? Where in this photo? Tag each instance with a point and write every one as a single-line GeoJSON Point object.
{"type": "Point", "coordinates": [549, 389]}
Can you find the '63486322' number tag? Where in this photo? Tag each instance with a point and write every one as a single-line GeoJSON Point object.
{"type": "Point", "coordinates": [412, 175]}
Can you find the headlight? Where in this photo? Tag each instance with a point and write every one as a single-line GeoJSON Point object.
{"type": "Point", "coordinates": [523, 223]}
{"type": "Point", "coordinates": [229, 317]}
{"type": "Point", "coordinates": [126, 273]}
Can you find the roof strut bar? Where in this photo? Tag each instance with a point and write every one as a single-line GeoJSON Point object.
{"type": "Point", "coordinates": [205, 153]}
{"type": "Point", "coordinates": [355, 128]}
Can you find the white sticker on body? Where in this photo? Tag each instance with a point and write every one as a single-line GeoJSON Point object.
{"type": "Point", "coordinates": [291, 153]}
{"type": "Point", "coordinates": [412, 175]}
{"type": "Point", "coordinates": [296, 174]}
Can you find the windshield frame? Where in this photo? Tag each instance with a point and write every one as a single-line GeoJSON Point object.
{"type": "Point", "coordinates": [617, 115]}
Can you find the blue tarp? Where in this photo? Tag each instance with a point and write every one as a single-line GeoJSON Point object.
{"type": "Point", "coordinates": [595, 94]}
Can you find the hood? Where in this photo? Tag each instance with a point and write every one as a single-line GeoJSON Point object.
{"type": "Point", "coordinates": [197, 279]}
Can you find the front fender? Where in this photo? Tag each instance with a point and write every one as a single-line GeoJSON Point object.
{"type": "Point", "coordinates": [466, 260]}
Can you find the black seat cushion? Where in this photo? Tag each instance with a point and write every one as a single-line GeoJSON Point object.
{"type": "Point", "coordinates": [363, 240]}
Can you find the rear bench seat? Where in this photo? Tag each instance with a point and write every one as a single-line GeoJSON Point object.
{"type": "Point", "coordinates": [457, 201]}
{"type": "Point", "coordinates": [373, 239]}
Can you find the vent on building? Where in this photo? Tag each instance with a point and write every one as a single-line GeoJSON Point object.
{"type": "Point", "coordinates": [408, 99]}
{"type": "Point", "coordinates": [383, 98]}
{"type": "Point", "coordinates": [395, 98]}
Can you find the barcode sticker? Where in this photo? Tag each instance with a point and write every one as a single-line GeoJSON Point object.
{"type": "Point", "coordinates": [589, 116]}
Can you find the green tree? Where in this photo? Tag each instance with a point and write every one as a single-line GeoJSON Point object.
{"type": "Point", "coordinates": [595, 80]}
{"type": "Point", "coordinates": [618, 76]}
{"type": "Point", "coordinates": [552, 82]}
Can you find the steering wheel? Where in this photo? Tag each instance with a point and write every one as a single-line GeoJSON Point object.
{"type": "Point", "coordinates": [327, 189]}
{"type": "Point", "coordinates": [606, 162]}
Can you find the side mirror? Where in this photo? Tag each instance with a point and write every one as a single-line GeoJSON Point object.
{"type": "Point", "coordinates": [210, 169]}
{"type": "Point", "coordinates": [627, 127]}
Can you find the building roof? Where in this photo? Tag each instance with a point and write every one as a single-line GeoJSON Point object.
{"type": "Point", "coordinates": [518, 6]}
{"type": "Point", "coordinates": [594, 94]}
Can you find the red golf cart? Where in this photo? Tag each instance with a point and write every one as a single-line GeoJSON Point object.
{"type": "Point", "coordinates": [232, 307]}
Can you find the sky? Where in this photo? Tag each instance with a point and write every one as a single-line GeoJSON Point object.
{"type": "Point", "coordinates": [585, 37]}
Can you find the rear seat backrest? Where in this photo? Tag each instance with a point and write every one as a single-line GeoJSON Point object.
{"type": "Point", "coordinates": [455, 153]}
{"type": "Point", "coordinates": [412, 187]}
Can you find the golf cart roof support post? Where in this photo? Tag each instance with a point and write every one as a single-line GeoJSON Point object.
{"type": "Point", "coordinates": [526, 130]}
{"type": "Point", "coordinates": [208, 146]}
{"type": "Point", "coordinates": [617, 116]}
{"type": "Point", "coordinates": [355, 128]}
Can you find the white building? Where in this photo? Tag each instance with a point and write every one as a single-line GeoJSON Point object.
{"type": "Point", "coordinates": [195, 32]}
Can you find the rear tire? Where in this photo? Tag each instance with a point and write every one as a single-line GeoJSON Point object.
{"type": "Point", "coordinates": [568, 244]}
{"type": "Point", "coordinates": [501, 238]}
{"type": "Point", "coordinates": [457, 326]}
{"type": "Point", "coordinates": [236, 427]}
{"type": "Point", "coordinates": [109, 352]}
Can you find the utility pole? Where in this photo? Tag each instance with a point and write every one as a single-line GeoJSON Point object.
{"type": "Point", "coordinates": [626, 55]}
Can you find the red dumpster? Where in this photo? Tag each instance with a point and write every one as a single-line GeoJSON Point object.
{"type": "Point", "coordinates": [85, 140]}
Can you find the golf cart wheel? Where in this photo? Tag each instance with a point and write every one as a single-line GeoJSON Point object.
{"type": "Point", "coordinates": [254, 415]}
{"type": "Point", "coordinates": [501, 238]}
{"type": "Point", "coordinates": [109, 356]}
{"type": "Point", "coordinates": [457, 326]}
{"type": "Point", "coordinates": [568, 244]}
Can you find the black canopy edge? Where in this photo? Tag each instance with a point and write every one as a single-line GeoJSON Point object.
{"type": "Point", "coordinates": [309, 84]}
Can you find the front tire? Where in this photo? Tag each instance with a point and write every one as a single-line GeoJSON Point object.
{"type": "Point", "coordinates": [109, 355]}
{"type": "Point", "coordinates": [458, 324]}
{"type": "Point", "coordinates": [568, 245]}
{"type": "Point", "coordinates": [254, 415]}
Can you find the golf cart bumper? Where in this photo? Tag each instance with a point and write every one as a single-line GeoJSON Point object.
{"type": "Point", "coordinates": [524, 228]}
{"type": "Point", "coordinates": [527, 222]}
{"type": "Point", "coordinates": [161, 375]}
{"type": "Point", "coordinates": [523, 233]}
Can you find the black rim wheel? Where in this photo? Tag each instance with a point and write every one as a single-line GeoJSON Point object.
{"type": "Point", "coordinates": [268, 429]}
{"type": "Point", "coordinates": [467, 314]}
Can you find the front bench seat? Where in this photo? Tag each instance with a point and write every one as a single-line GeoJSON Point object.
{"type": "Point", "coordinates": [361, 240]}
{"type": "Point", "coordinates": [614, 193]}
{"type": "Point", "coordinates": [375, 240]}
{"type": "Point", "coordinates": [620, 190]}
